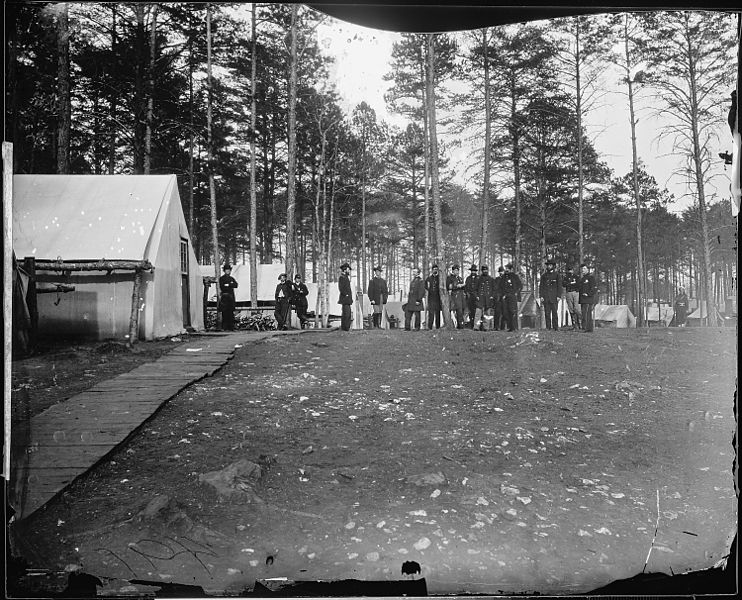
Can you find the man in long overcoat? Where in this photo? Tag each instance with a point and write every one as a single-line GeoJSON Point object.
{"type": "Point", "coordinates": [549, 291]}
{"type": "Point", "coordinates": [572, 293]}
{"type": "Point", "coordinates": [299, 300]}
{"type": "Point", "coordinates": [283, 295]}
{"type": "Point", "coordinates": [415, 297]}
{"type": "Point", "coordinates": [346, 297]}
{"type": "Point", "coordinates": [227, 286]}
{"type": "Point", "coordinates": [455, 287]}
{"type": "Point", "coordinates": [499, 321]}
{"type": "Point", "coordinates": [681, 308]}
{"type": "Point", "coordinates": [588, 291]}
{"type": "Point", "coordinates": [432, 286]}
{"type": "Point", "coordinates": [485, 315]}
{"type": "Point", "coordinates": [470, 287]}
{"type": "Point", "coordinates": [377, 294]}
{"type": "Point", "coordinates": [510, 285]}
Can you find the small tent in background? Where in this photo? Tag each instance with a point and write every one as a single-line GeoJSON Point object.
{"type": "Point", "coordinates": [698, 317]}
{"type": "Point", "coordinates": [529, 310]}
{"type": "Point", "coordinates": [659, 315]}
{"type": "Point", "coordinates": [613, 315]}
{"type": "Point", "coordinates": [96, 232]}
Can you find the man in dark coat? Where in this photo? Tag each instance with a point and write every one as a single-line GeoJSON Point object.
{"type": "Point", "coordinates": [510, 287]}
{"type": "Point", "coordinates": [572, 293]}
{"type": "Point", "coordinates": [377, 294]}
{"type": "Point", "coordinates": [432, 286]}
{"type": "Point", "coordinates": [549, 291]}
{"type": "Point", "coordinates": [470, 287]}
{"type": "Point", "coordinates": [484, 318]}
{"type": "Point", "coordinates": [299, 300]}
{"type": "Point", "coordinates": [499, 321]}
{"type": "Point", "coordinates": [455, 287]}
{"type": "Point", "coordinates": [681, 308]}
{"type": "Point", "coordinates": [283, 295]}
{"type": "Point", "coordinates": [227, 286]}
{"type": "Point", "coordinates": [415, 297]}
{"type": "Point", "coordinates": [588, 291]}
{"type": "Point", "coordinates": [346, 296]}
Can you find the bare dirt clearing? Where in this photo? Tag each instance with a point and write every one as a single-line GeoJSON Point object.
{"type": "Point", "coordinates": [499, 462]}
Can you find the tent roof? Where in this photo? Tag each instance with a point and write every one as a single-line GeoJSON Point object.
{"type": "Point", "coordinates": [86, 217]}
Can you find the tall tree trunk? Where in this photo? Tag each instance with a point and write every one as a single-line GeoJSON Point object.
{"type": "Point", "coordinates": [700, 185]}
{"type": "Point", "coordinates": [140, 95]}
{"type": "Point", "coordinates": [191, 135]}
{"type": "Point", "coordinates": [445, 305]}
{"type": "Point", "coordinates": [253, 186]}
{"type": "Point", "coordinates": [487, 147]}
{"type": "Point", "coordinates": [210, 155]}
{"type": "Point", "coordinates": [427, 159]}
{"type": "Point", "coordinates": [150, 91]}
{"type": "Point", "coordinates": [64, 107]}
{"type": "Point", "coordinates": [112, 117]}
{"type": "Point", "coordinates": [291, 170]}
{"type": "Point", "coordinates": [515, 135]}
{"type": "Point", "coordinates": [641, 280]}
{"type": "Point", "coordinates": [580, 174]}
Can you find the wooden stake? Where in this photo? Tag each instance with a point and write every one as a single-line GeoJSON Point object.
{"type": "Point", "coordinates": [134, 319]}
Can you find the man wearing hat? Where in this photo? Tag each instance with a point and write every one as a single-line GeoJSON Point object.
{"type": "Point", "coordinates": [377, 293]}
{"type": "Point", "coordinates": [470, 287]}
{"type": "Point", "coordinates": [299, 299]}
{"type": "Point", "coordinates": [549, 291]}
{"type": "Point", "coordinates": [485, 315]}
{"type": "Point", "coordinates": [455, 287]}
{"type": "Point", "coordinates": [284, 293]}
{"type": "Point", "coordinates": [681, 308]}
{"type": "Point", "coordinates": [227, 285]}
{"type": "Point", "coordinates": [498, 300]}
{"type": "Point", "coordinates": [510, 286]}
{"type": "Point", "coordinates": [414, 304]}
{"type": "Point", "coordinates": [346, 297]}
{"type": "Point", "coordinates": [432, 285]}
{"type": "Point", "coordinates": [572, 294]}
{"type": "Point", "coordinates": [588, 292]}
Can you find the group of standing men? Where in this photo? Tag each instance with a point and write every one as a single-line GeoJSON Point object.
{"type": "Point", "coordinates": [491, 302]}
{"type": "Point", "coordinates": [580, 293]}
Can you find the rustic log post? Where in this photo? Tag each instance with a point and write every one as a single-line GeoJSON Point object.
{"type": "Point", "coordinates": [134, 318]}
{"type": "Point", "coordinates": [29, 266]}
{"type": "Point", "coordinates": [207, 286]}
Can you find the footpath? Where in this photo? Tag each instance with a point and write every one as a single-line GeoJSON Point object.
{"type": "Point", "coordinates": [62, 443]}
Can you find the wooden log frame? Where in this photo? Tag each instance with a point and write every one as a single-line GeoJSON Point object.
{"type": "Point", "coordinates": [138, 266]}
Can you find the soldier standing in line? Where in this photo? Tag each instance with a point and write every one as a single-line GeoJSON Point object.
{"type": "Point", "coordinates": [549, 291]}
{"type": "Point", "coordinates": [284, 293]}
{"type": "Point", "coordinates": [432, 285]}
{"type": "Point", "coordinates": [227, 285]}
{"type": "Point", "coordinates": [377, 294]}
{"type": "Point", "coordinates": [470, 287]}
{"type": "Point", "coordinates": [498, 300]}
{"type": "Point", "coordinates": [572, 292]}
{"type": "Point", "coordinates": [588, 291]}
{"type": "Point", "coordinates": [510, 286]}
{"type": "Point", "coordinates": [455, 287]}
{"type": "Point", "coordinates": [415, 297]}
{"type": "Point", "coordinates": [485, 315]}
{"type": "Point", "coordinates": [299, 300]}
{"type": "Point", "coordinates": [346, 296]}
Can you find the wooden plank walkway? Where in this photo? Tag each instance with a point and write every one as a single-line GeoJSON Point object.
{"type": "Point", "coordinates": [68, 439]}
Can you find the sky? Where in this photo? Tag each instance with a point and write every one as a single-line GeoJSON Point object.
{"type": "Point", "coordinates": [363, 57]}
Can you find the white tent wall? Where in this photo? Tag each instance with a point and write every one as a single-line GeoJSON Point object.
{"type": "Point", "coordinates": [615, 315]}
{"type": "Point", "coordinates": [160, 287]}
{"type": "Point", "coordinates": [106, 217]}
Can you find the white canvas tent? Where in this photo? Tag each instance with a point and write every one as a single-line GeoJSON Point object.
{"type": "Point", "coordinates": [613, 315]}
{"type": "Point", "coordinates": [660, 314]}
{"type": "Point", "coordinates": [91, 218]}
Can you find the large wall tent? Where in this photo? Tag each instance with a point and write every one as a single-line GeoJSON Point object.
{"type": "Point", "coordinates": [107, 235]}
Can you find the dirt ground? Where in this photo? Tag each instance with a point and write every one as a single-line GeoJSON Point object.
{"type": "Point", "coordinates": [500, 462]}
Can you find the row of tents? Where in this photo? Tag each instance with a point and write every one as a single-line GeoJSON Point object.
{"type": "Point", "coordinates": [114, 258]}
